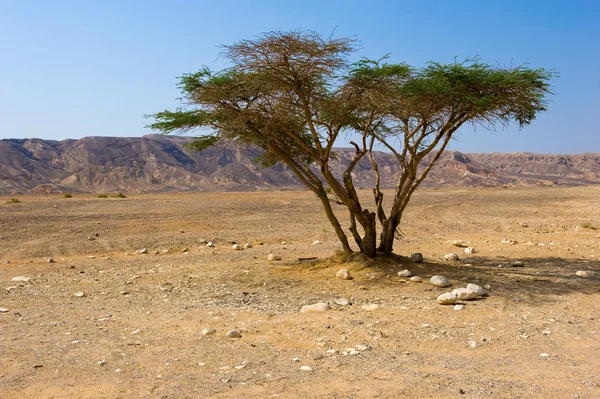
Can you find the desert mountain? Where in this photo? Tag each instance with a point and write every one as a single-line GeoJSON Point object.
{"type": "Point", "coordinates": [158, 163]}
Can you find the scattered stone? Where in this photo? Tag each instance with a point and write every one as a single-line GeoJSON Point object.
{"type": "Point", "coordinates": [37, 366]}
{"type": "Point", "coordinates": [459, 243]}
{"type": "Point", "coordinates": [448, 298]}
{"type": "Point", "coordinates": [3, 310]}
{"type": "Point", "coordinates": [316, 242]}
{"type": "Point", "coordinates": [156, 252]}
{"type": "Point", "coordinates": [470, 250]}
{"type": "Point", "coordinates": [544, 355]}
{"type": "Point", "coordinates": [416, 257]}
{"type": "Point", "coordinates": [6, 262]}
{"type": "Point", "coordinates": [439, 281]}
{"type": "Point", "coordinates": [181, 231]}
{"type": "Point", "coordinates": [405, 273]}
{"type": "Point", "coordinates": [509, 241]}
{"type": "Point", "coordinates": [102, 362]}
{"type": "Point", "coordinates": [79, 294]}
{"type": "Point", "coordinates": [248, 245]}
{"type": "Point", "coordinates": [20, 279]}
{"type": "Point", "coordinates": [363, 348]}
{"type": "Point", "coordinates": [342, 302]}
{"type": "Point", "coordinates": [479, 290]}
{"type": "Point", "coordinates": [416, 279]}
{"type": "Point", "coordinates": [585, 273]}
{"type": "Point", "coordinates": [464, 294]}
{"type": "Point", "coordinates": [118, 370]}
{"type": "Point", "coordinates": [233, 334]}
{"type": "Point", "coordinates": [295, 359]}
{"type": "Point", "coordinates": [142, 251]}
{"type": "Point", "coordinates": [372, 306]}
{"type": "Point", "coordinates": [305, 368]}
{"type": "Point", "coordinates": [517, 263]}
{"type": "Point", "coordinates": [451, 257]}
{"type": "Point", "coordinates": [91, 257]}
{"type": "Point", "coordinates": [317, 307]}
{"type": "Point", "coordinates": [459, 306]}
{"type": "Point", "coordinates": [208, 331]}
{"type": "Point", "coordinates": [50, 260]}
{"type": "Point", "coordinates": [272, 257]}
{"type": "Point", "coordinates": [237, 247]}
{"type": "Point", "coordinates": [186, 249]}
{"type": "Point", "coordinates": [343, 274]}
{"type": "Point", "coordinates": [210, 244]}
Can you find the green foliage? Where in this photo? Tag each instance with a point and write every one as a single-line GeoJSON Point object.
{"type": "Point", "coordinates": [102, 196]}
{"type": "Point", "coordinates": [13, 201]}
{"type": "Point", "coordinates": [68, 195]}
{"type": "Point", "coordinates": [201, 143]}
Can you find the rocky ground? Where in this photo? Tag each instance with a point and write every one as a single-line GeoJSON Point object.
{"type": "Point", "coordinates": [105, 321]}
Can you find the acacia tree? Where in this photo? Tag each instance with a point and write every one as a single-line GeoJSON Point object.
{"type": "Point", "coordinates": [293, 94]}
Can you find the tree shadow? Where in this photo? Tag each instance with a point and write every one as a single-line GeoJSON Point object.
{"type": "Point", "coordinates": [539, 280]}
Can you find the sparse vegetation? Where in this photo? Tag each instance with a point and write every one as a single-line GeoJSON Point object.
{"type": "Point", "coordinates": [102, 196]}
{"type": "Point", "coordinates": [68, 195]}
{"type": "Point", "coordinates": [119, 195]}
{"type": "Point", "coordinates": [13, 201]}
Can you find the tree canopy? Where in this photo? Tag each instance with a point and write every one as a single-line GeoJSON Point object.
{"type": "Point", "coordinates": [295, 94]}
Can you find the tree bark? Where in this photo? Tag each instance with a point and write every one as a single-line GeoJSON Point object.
{"type": "Point", "coordinates": [334, 222]}
{"type": "Point", "coordinates": [369, 240]}
{"type": "Point", "coordinates": [386, 243]}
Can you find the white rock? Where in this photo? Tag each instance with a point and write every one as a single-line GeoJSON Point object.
{"type": "Point", "coordinates": [416, 257]}
{"type": "Point", "coordinates": [3, 310]}
{"type": "Point", "coordinates": [372, 306]}
{"type": "Point", "coordinates": [118, 370]}
{"type": "Point", "coordinates": [509, 241]}
{"type": "Point", "coordinates": [79, 294]}
{"type": "Point", "coordinates": [210, 244]}
{"type": "Point", "coordinates": [416, 279]}
{"type": "Point", "coordinates": [317, 307]}
{"type": "Point", "coordinates": [405, 273]}
{"type": "Point", "coordinates": [237, 247]}
{"type": "Point", "coordinates": [459, 243]}
{"type": "Point", "coordinates": [470, 250]}
{"type": "Point", "coordinates": [448, 298]}
{"type": "Point", "coordinates": [451, 257]}
{"type": "Point", "coordinates": [353, 352]}
{"type": "Point", "coordinates": [342, 302]}
{"type": "Point", "coordinates": [143, 251]}
{"type": "Point", "coordinates": [305, 368]}
{"type": "Point", "coordinates": [363, 348]}
{"type": "Point", "coordinates": [585, 273]}
{"type": "Point", "coordinates": [460, 306]}
{"type": "Point", "coordinates": [517, 263]}
{"type": "Point", "coordinates": [479, 290]}
{"type": "Point", "coordinates": [272, 257]}
{"type": "Point", "coordinates": [248, 245]}
{"type": "Point", "coordinates": [464, 294]}
{"type": "Point", "coordinates": [316, 242]}
{"type": "Point", "coordinates": [343, 274]}
{"type": "Point", "coordinates": [233, 334]}
{"type": "Point", "coordinates": [544, 355]}
{"type": "Point", "coordinates": [50, 260]}
{"type": "Point", "coordinates": [208, 331]}
{"type": "Point", "coordinates": [20, 278]}
{"type": "Point", "coordinates": [295, 359]}
{"type": "Point", "coordinates": [439, 281]}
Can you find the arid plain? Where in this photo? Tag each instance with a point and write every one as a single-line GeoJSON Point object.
{"type": "Point", "coordinates": [134, 329]}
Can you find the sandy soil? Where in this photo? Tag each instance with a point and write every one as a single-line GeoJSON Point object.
{"type": "Point", "coordinates": [137, 331]}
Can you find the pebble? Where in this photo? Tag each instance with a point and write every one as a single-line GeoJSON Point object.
{"type": "Point", "coordinates": [208, 331]}
{"type": "Point", "coordinates": [416, 257]}
{"type": "Point", "coordinates": [451, 257]}
{"type": "Point", "coordinates": [316, 242]}
{"type": "Point", "coordinates": [248, 245]}
{"type": "Point", "coordinates": [6, 262]}
{"type": "Point", "coordinates": [20, 278]}
{"type": "Point", "coordinates": [405, 273]}
{"type": "Point", "coordinates": [233, 334]}
{"type": "Point", "coordinates": [342, 302]}
{"type": "Point", "coordinates": [517, 263]}
{"type": "Point", "coordinates": [50, 260]}
{"type": "Point", "coordinates": [464, 294]}
{"type": "Point", "coordinates": [305, 368]}
{"type": "Point", "coordinates": [479, 290]}
{"type": "Point", "coordinates": [3, 310]}
{"type": "Point", "coordinates": [343, 274]}
{"type": "Point", "coordinates": [416, 279]}
{"type": "Point", "coordinates": [317, 307]}
{"type": "Point", "coordinates": [459, 243]}
{"type": "Point", "coordinates": [470, 250]}
{"type": "Point", "coordinates": [439, 281]}
{"type": "Point", "coordinates": [509, 241]}
{"type": "Point", "coordinates": [448, 298]}
{"type": "Point", "coordinates": [118, 370]}
{"type": "Point", "coordinates": [459, 306]}
{"type": "Point", "coordinates": [295, 359]}
{"type": "Point", "coordinates": [210, 244]}
{"type": "Point", "coordinates": [544, 355]}
{"type": "Point", "coordinates": [585, 273]}
{"type": "Point", "coordinates": [237, 247]}
{"type": "Point", "coordinates": [143, 251]}
{"type": "Point", "coordinates": [372, 306]}
{"type": "Point", "coordinates": [79, 294]}
{"type": "Point", "coordinates": [272, 257]}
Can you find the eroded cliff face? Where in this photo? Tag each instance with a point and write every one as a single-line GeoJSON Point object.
{"type": "Point", "coordinates": [157, 163]}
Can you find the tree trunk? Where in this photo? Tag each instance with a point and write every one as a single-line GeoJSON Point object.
{"type": "Point", "coordinates": [334, 222]}
{"type": "Point", "coordinates": [386, 244]}
{"type": "Point", "coordinates": [369, 240]}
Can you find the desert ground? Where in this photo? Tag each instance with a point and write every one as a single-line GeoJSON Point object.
{"type": "Point", "coordinates": [105, 321]}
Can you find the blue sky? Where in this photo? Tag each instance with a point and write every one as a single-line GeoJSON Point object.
{"type": "Point", "coordinates": [71, 69]}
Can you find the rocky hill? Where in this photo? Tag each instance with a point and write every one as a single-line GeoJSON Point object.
{"type": "Point", "coordinates": [157, 163]}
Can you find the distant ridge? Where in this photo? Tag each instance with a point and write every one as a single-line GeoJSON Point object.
{"type": "Point", "coordinates": [156, 163]}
